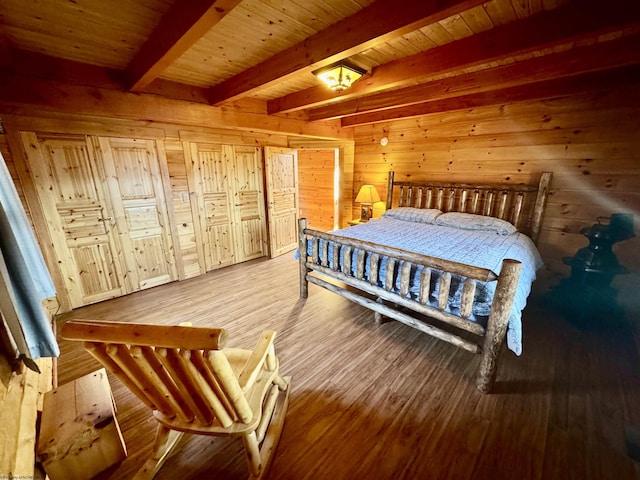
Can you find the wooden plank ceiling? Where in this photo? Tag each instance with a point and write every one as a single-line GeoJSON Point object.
{"type": "Point", "coordinates": [422, 56]}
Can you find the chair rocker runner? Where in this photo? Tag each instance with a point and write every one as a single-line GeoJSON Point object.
{"type": "Point", "coordinates": [194, 385]}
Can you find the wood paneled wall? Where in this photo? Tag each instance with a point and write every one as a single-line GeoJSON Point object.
{"type": "Point", "coordinates": [346, 153]}
{"type": "Point", "coordinates": [591, 143]}
{"type": "Point", "coordinates": [316, 169]}
{"type": "Point", "coordinates": [8, 159]}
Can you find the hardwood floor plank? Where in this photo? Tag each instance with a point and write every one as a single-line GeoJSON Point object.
{"type": "Point", "coordinates": [386, 401]}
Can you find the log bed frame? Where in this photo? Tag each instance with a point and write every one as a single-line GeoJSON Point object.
{"type": "Point", "coordinates": [521, 205]}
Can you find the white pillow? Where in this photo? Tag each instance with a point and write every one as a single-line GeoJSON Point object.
{"type": "Point", "coordinates": [412, 214]}
{"type": "Point", "coordinates": [470, 221]}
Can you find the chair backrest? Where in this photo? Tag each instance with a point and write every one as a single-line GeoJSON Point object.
{"type": "Point", "coordinates": [179, 371]}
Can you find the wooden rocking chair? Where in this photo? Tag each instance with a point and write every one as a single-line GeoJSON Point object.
{"type": "Point", "coordinates": [194, 385]}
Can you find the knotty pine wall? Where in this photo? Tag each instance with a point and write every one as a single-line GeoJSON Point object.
{"type": "Point", "coordinates": [315, 186]}
{"type": "Point", "coordinates": [591, 143]}
{"type": "Point", "coordinates": [345, 194]}
{"type": "Point", "coordinates": [8, 159]}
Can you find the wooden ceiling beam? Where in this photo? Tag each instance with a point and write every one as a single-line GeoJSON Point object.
{"type": "Point", "coordinates": [579, 60]}
{"type": "Point", "coordinates": [23, 95]}
{"type": "Point", "coordinates": [559, 87]}
{"type": "Point", "coordinates": [571, 23]}
{"type": "Point", "coordinates": [375, 24]}
{"type": "Point", "coordinates": [182, 26]}
{"type": "Point", "coordinates": [32, 64]}
{"type": "Point", "coordinates": [5, 52]}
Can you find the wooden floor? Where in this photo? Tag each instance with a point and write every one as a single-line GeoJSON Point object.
{"type": "Point", "coordinates": [385, 401]}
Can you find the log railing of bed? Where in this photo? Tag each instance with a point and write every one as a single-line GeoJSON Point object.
{"type": "Point", "coordinates": [356, 266]}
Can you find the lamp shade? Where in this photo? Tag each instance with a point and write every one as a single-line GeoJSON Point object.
{"type": "Point", "coordinates": [339, 76]}
{"type": "Point", "coordinates": [367, 194]}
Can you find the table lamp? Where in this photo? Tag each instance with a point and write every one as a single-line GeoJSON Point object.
{"type": "Point", "coordinates": [367, 196]}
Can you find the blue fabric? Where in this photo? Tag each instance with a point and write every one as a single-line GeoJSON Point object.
{"type": "Point", "coordinates": [25, 276]}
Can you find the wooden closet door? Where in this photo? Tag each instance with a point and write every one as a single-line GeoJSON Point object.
{"type": "Point", "coordinates": [80, 222]}
{"type": "Point", "coordinates": [136, 189]}
{"type": "Point", "coordinates": [248, 202]}
{"type": "Point", "coordinates": [212, 182]}
{"type": "Point", "coordinates": [282, 199]}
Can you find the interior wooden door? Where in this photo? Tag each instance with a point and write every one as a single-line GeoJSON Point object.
{"type": "Point", "coordinates": [281, 166]}
{"type": "Point", "coordinates": [213, 185]}
{"type": "Point", "coordinates": [66, 176]}
{"type": "Point", "coordinates": [248, 202]}
{"type": "Point", "coordinates": [135, 185]}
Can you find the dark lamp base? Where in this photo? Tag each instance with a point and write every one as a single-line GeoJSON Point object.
{"type": "Point", "coordinates": [366, 212]}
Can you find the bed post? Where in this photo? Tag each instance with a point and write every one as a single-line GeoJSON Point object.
{"type": "Point", "coordinates": [390, 190]}
{"type": "Point", "coordinates": [302, 254]}
{"type": "Point", "coordinates": [538, 209]}
{"type": "Point", "coordinates": [497, 324]}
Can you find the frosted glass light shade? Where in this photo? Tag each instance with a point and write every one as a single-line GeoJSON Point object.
{"type": "Point", "coordinates": [339, 76]}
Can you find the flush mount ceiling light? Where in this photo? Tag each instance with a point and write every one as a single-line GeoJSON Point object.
{"type": "Point", "coordinates": [339, 76]}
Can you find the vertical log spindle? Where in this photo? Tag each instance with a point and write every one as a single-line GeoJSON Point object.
{"type": "Point", "coordinates": [497, 323]}
{"type": "Point", "coordinates": [302, 257]}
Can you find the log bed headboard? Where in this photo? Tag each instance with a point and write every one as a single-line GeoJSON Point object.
{"type": "Point", "coordinates": [521, 205]}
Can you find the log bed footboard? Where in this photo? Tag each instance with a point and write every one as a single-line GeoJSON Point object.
{"type": "Point", "coordinates": [356, 265]}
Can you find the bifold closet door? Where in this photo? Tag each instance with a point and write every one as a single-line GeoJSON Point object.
{"type": "Point", "coordinates": [106, 214]}
{"type": "Point", "coordinates": [136, 190]}
{"type": "Point", "coordinates": [248, 202]}
{"type": "Point", "coordinates": [211, 183]}
{"type": "Point", "coordinates": [228, 182]}
{"type": "Point", "coordinates": [79, 217]}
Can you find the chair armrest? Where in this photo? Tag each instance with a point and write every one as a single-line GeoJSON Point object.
{"type": "Point", "coordinates": [255, 362]}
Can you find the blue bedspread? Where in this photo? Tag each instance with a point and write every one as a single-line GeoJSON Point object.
{"type": "Point", "coordinates": [485, 249]}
